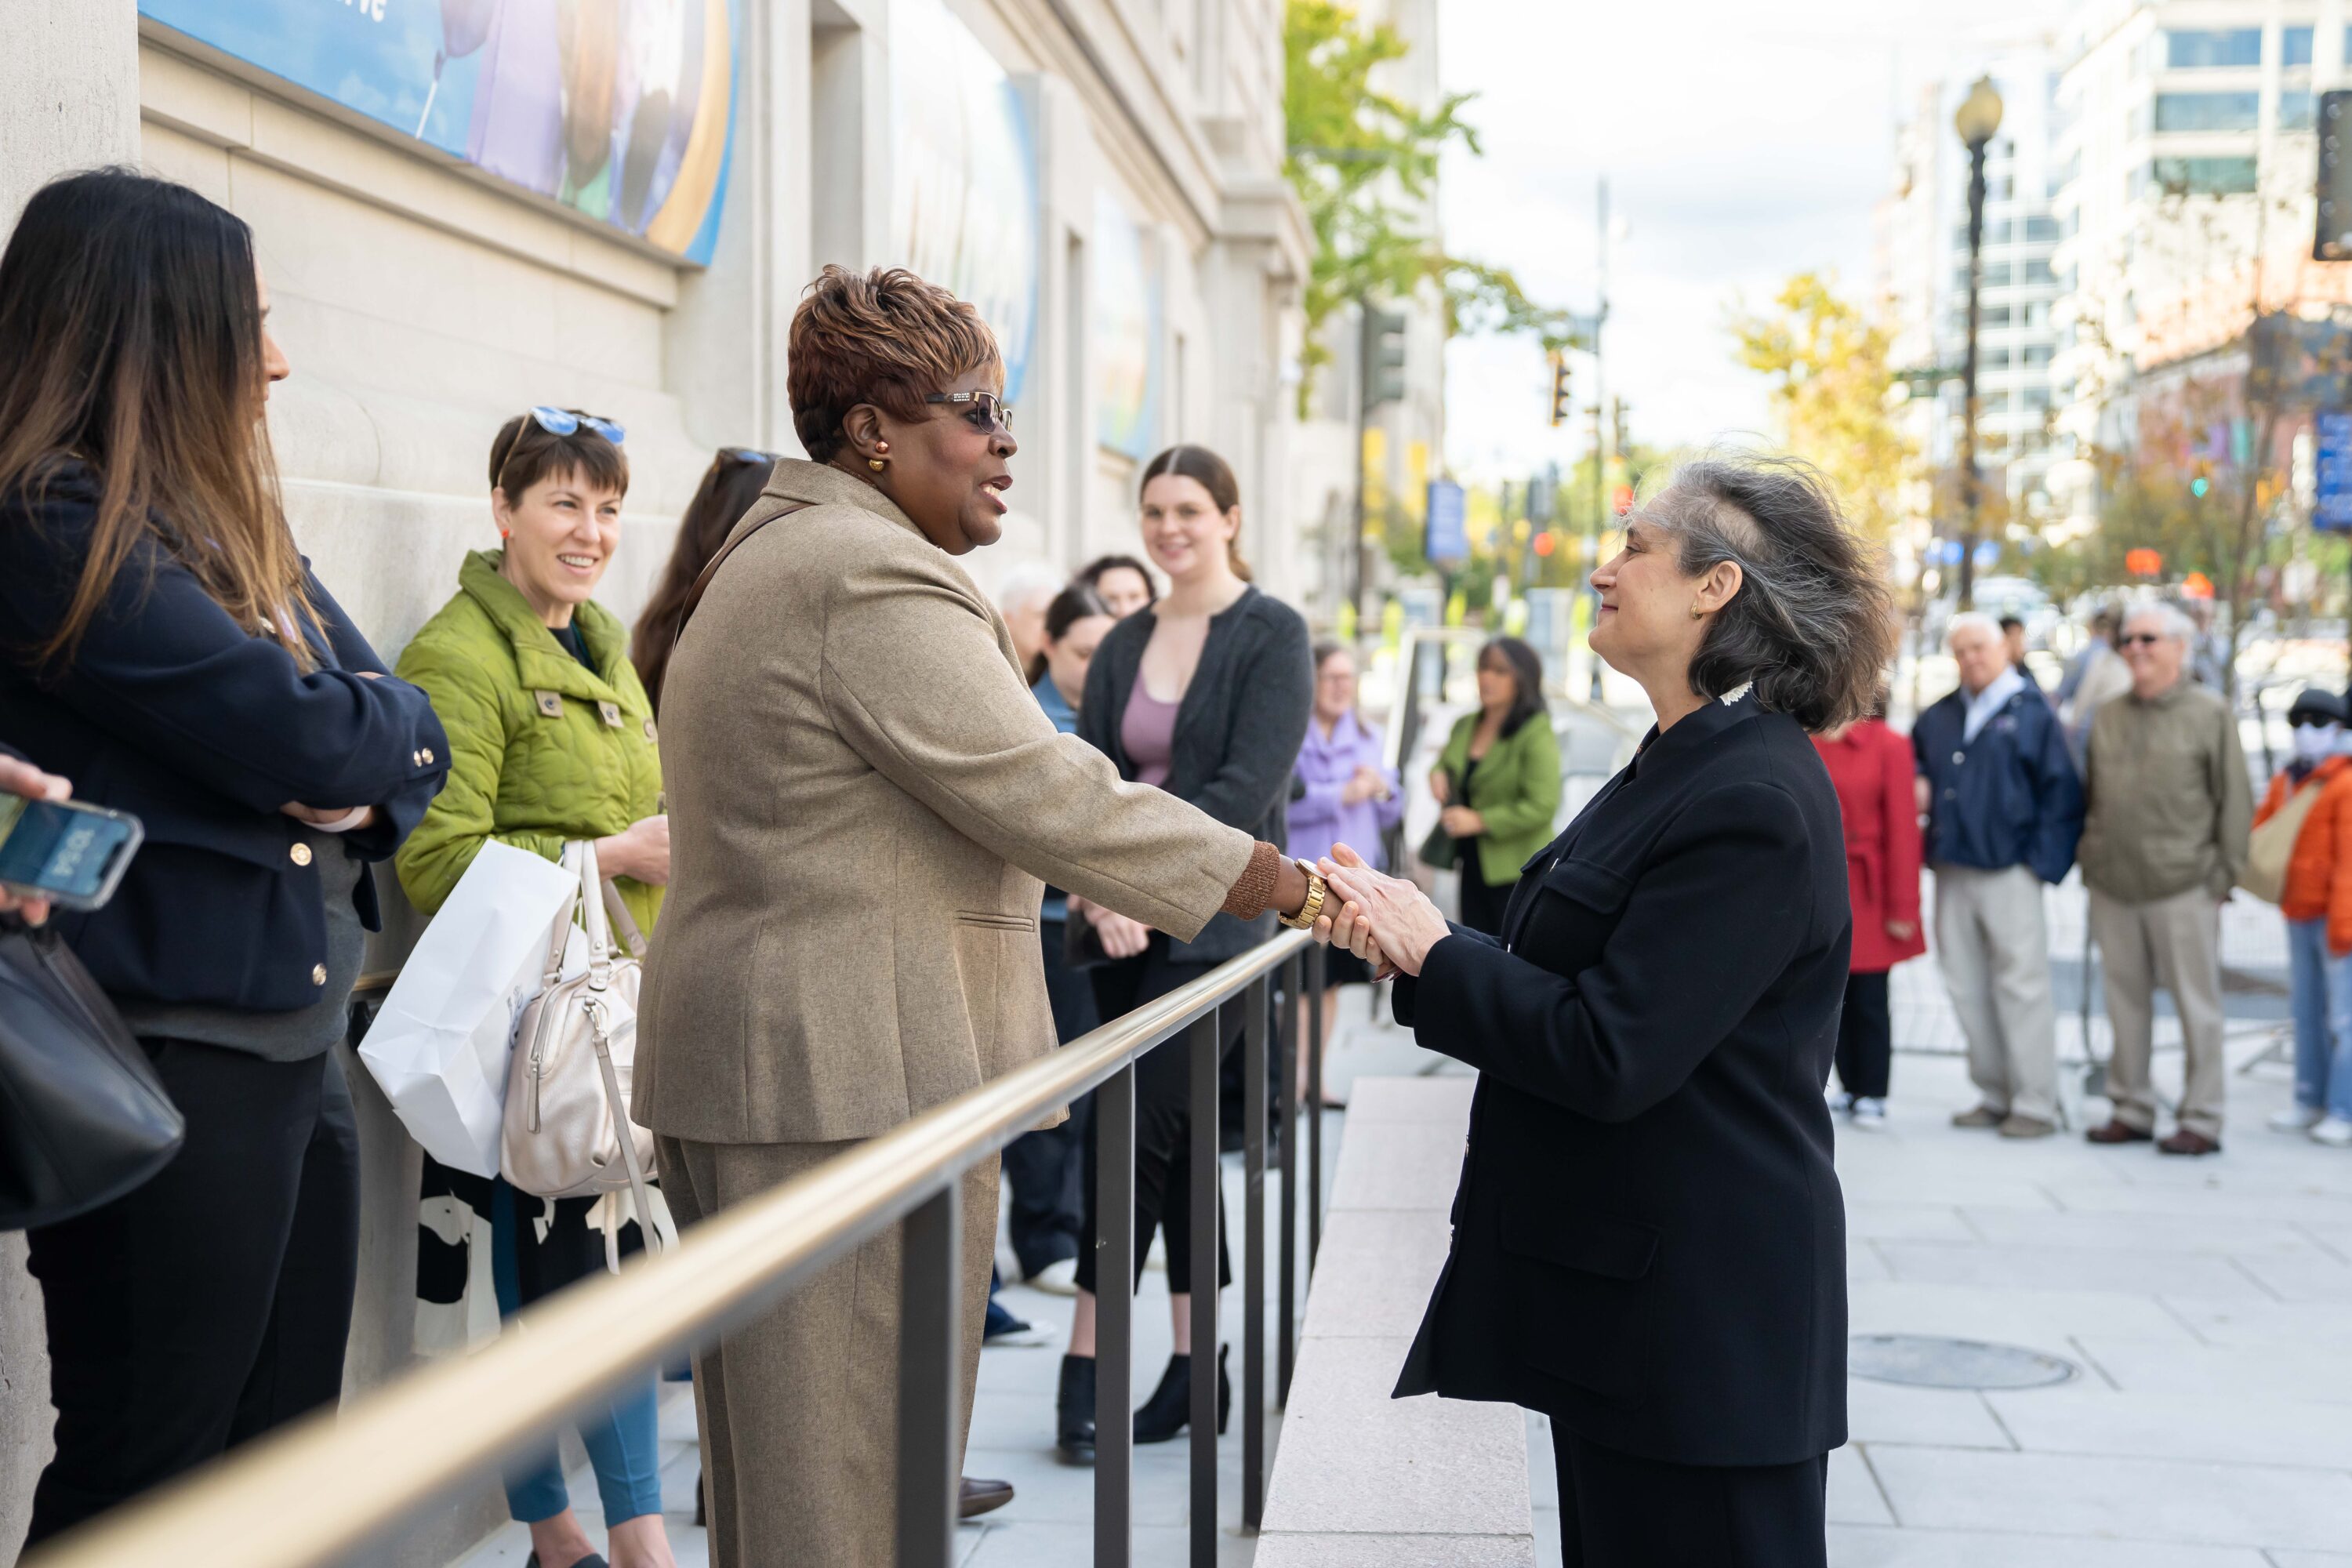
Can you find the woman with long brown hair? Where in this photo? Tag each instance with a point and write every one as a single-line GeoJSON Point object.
{"type": "Point", "coordinates": [166, 647]}
{"type": "Point", "coordinates": [729, 485]}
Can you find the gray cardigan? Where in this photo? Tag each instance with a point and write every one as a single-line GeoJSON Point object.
{"type": "Point", "coordinates": [1238, 731]}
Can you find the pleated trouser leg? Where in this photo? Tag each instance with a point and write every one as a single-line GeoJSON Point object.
{"type": "Point", "coordinates": [799, 1407]}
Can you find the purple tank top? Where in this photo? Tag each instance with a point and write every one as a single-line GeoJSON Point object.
{"type": "Point", "coordinates": [1147, 735]}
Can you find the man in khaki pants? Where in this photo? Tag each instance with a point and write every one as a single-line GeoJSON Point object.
{"type": "Point", "coordinates": [2163, 844]}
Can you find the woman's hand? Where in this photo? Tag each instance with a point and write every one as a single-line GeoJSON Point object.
{"type": "Point", "coordinates": [1120, 937]}
{"type": "Point", "coordinates": [1461, 822]}
{"type": "Point", "coordinates": [641, 853]}
{"type": "Point", "coordinates": [1439, 785]}
{"type": "Point", "coordinates": [20, 777]}
{"type": "Point", "coordinates": [1381, 917]}
{"type": "Point", "coordinates": [1902, 931]}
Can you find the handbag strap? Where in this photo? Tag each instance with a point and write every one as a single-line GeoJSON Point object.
{"type": "Point", "coordinates": [710, 568]}
{"type": "Point", "coordinates": [591, 916]}
{"type": "Point", "coordinates": [657, 1241]}
{"type": "Point", "coordinates": [624, 924]}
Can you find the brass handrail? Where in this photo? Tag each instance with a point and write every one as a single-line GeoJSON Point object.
{"type": "Point", "coordinates": [306, 1495]}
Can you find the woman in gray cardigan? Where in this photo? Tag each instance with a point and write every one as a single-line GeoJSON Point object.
{"type": "Point", "coordinates": [1206, 695]}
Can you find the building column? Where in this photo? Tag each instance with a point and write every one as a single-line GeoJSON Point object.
{"type": "Point", "coordinates": [68, 94]}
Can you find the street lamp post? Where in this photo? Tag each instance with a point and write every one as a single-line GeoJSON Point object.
{"type": "Point", "coordinates": [1978, 119]}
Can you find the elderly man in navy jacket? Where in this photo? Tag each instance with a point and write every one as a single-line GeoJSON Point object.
{"type": "Point", "coordinates": [2005, 810]}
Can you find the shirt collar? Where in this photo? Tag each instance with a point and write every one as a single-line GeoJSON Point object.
{"type": "Point", "coordinates": [1999, 689]}
{"type": "Point", "coordinates": [1695, 728]}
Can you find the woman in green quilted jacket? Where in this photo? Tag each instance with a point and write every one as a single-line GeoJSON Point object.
{"type": "Point", "coordinates": [552, 739]}
{"type": "Point", "coordinates": [1497, 780]}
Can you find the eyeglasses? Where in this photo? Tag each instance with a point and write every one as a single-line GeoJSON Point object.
{"type": "Point", "coordinates": [987, 412]}
{"type": "Point", "coordinates": [2140, 640]}
{"type": "Point", "coordinates": [564, 422]}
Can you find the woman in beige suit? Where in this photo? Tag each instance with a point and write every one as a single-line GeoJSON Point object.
{"type": "Point", "coordinates": [865, 804]}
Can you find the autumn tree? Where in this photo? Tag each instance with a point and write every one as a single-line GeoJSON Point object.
{"type": "Point", "coordinates": [1831, 389]}
{"type": "Point", "coordinates": [1364, 162]}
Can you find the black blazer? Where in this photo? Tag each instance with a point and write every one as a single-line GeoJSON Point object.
{"type": "Point", "coordinates": [1238, 731]}
{"type": "Point", "coordinates": [172, 711]}
{"type": "Point", "coordinates": [1649, 1240]}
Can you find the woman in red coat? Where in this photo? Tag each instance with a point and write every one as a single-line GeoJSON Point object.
{"type": "Point", "coordinates": [1869, 765]}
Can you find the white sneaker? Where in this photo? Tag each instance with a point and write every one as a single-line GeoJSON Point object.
{"type": "Point", "coordinates": [1869, 1115]}
{"type": "Point", "coordinates": [2334, 1132]}
{"type": "Point", "coordinates": [1056, 1279]}
{"type": "Point", "coordinates": [2297, 1119]}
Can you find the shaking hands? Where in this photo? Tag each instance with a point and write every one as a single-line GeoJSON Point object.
{"type": "Point", "coordinates": [1385, 921]}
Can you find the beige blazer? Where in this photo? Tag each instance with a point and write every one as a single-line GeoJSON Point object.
{"type": "Point", "coordinates": [863, 797]}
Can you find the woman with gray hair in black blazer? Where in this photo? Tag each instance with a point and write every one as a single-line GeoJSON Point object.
{"type": "Point", "coordinates": [1649, 1242]}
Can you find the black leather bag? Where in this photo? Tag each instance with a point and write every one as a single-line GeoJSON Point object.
{"type": "Point", "coordinates": [83, 1118]}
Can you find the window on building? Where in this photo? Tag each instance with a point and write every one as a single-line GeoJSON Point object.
{"type": "Point", "coordinates": [2041, 230]}
{"type": "Point", "coordinates": [2208, 110]}
{"type": "Point", "coordinates": [2298, 111]}
{"type": "Point", "coordinates": [2037, 354]}
{"type": "Point", "coordinates": [1989, 275]}
{"type": "Point", "coordinates": [2036, 270]}
{"type": "Point", "coordinates": [2195, 177]}
{"type": "Point", "coordinates": [2294, 46]}
{"type": "Point", "coordinates": [1992, 359]}
{"type": "Point", "coordinates": [2036, 398]}
{"type": "Point", "coordinates": [2211, 48]}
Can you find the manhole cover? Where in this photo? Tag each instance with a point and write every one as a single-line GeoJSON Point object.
{"type": "Point", "coordinates": [1925, 1361]}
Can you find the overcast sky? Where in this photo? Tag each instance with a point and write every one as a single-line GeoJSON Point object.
{"type": "Point", "coordinates": [1742, 142]}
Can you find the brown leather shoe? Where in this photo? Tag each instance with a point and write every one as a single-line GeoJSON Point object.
{"type": "Point", "coordinates": [2184, 1142]}
{"type": "Point", "coordinates": [1982, 1116]}
{"type": "Point", "coordinates": [2119, 1133]}
{"type": "Point", "coordinates": [976, 1498]}
{"type": "Point", "coordinates": [2015, 1126]}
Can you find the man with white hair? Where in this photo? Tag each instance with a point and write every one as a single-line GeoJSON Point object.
{"type": "Point", "coordinates": [2004, 809]}
{"type": "Point", "coordinates": [1024, 590]}
{"type": "Point", "coordinates": [2164, 843]}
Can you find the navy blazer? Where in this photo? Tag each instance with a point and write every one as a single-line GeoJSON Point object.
{"type": "Point", "coordinates": [2009, 797]}
{"type": "Point", "coordinates": [1649, 1240]}
{"type": "Point", "coordinates": [172, 711]}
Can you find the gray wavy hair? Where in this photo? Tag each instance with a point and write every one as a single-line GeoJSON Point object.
{"type": "Point", "coordinates": [1811, 628]}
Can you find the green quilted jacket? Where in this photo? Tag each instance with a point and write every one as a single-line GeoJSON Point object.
{"type": "Point", "coordinates": [540, 749]}
{"type": "Point", "coordinates": [1517, 789]}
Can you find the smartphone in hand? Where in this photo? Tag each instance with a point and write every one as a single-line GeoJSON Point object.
{"type": "Point", "coordinates": [71, 854]}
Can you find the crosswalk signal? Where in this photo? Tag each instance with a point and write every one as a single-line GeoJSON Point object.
{"type": "Point", "coordinates": [1617, 415]}
{"type": "Point", "coordinates": [1383, 350]}
{"type": "Point", "coordinates": [1560, 402]}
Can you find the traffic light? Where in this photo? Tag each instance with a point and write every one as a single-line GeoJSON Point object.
{"type": "Point", "coordinates": [1383, 351]}
{"type": "Point", "coordinates": [1560, 399]}
{"type": "Point", "coordinates": [2332, 239]}
{"type": "Point", "coordinates": [1617, 411]}
{"type": "Point", "coordinates": [2203, 481]}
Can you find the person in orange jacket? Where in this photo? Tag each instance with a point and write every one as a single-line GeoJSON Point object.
{"type": "Point", "coordinates": [2317, 903]}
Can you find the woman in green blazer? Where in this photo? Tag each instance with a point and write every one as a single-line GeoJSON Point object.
{"type": "Point", "coordinates": [1498, 781]}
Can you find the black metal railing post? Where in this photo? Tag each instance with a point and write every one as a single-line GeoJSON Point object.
{"type": "Point", "coordinates": [1259, 1014]}
{"type": "Point", "coordinates": [1207, 1175]}
{"type": "Point", "coordinates": [931, 1373]}
{"type": "Point", "coordinates": [1114, 1319]}
{"type": "Point", "coordinates": [1293, 975]}
{"type": "Point", "coordinates": [1313, 1047]}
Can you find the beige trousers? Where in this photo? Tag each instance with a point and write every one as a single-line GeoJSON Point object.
{"type": "Point", "coordinates": [799, 1407]}
{"type": "Point", "coordinates": [2174, 943]}
{"type": "Point", "coordinates": [1993, 946]}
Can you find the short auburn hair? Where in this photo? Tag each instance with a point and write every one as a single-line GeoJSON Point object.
{"type": "Point", "coordinates": [524, 452]}
{"type": "Point", "coordinates": [884, 337]}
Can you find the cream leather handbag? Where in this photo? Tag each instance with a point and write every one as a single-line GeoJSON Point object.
{"type": "Point", "coordinates": [566, 1132]}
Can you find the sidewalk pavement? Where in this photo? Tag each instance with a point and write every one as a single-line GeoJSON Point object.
{"type": "Point", "coordinates": [2207, 1304]}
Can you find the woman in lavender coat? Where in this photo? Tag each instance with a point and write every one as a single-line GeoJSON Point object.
{"type": "Point", "coordinates": [1350, 798]}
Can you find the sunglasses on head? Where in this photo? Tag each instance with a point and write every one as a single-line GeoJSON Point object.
{"type": "Point", "coordinates": [987, 412]}
{"type": "Point", "coordinates": [746, 455]}
{"type": "Point", "coordinates": [564, 422]}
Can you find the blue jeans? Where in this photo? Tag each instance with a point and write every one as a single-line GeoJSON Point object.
{"type": "Point", "coordinates": [623, 1438]}
{"type": "Point", "coordinates": [2319, 987]}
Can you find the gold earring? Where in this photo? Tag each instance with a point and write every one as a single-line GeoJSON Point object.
{"type": "Point", "coordinates": [876, 464]}
{"type": "Point", "coordinates": [1697, 613]}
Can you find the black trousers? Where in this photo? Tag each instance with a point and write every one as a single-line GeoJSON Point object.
{"type": "Point", "coordinates": [1047, 1214]}
{"type": "Point", "coordinates": [1865, 1045]}
{"type": "Point", "coordinates": [1482, 903]}
{"type": "Point", "coordinates": [213, 1303]}
{"type": "Point", "coordinates": [1619, 1511]}
{"type": "Point", "coordinates": [1163, 1119]}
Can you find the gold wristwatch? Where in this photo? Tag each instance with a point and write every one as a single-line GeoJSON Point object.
{"type": "Point", "coordinates": [1316, 889]}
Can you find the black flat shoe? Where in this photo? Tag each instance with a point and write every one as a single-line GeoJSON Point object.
{"type": "Point", "coordinates": [1169, 1409]}
{"type": "Point", "coordinates": [974, 1497]}
{"type": "Point", "coordinates": [591, 1561]}
{"type": "Point", "coordinates": [1074, 1411]}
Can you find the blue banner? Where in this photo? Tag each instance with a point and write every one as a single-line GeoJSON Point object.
{"type": "Point", "coordinates": [1449, 522]}
{"type": "Point", "coordinates": [622, 110]}
{"type": "Point", "coordinates": [2331, 512]}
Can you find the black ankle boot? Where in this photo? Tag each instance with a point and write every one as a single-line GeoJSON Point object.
{"type": "Point", "coordinates": [1073, 1410]}
{"type": "Point", "coordinates": [1169, 1409]}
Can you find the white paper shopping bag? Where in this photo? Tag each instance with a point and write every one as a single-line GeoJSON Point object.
{"type": "Point", "coordinates": [439, 1044]}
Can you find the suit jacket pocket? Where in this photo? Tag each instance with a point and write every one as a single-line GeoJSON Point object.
{"type": "Point", "coordinates": [1576, 907]}
{"type": "Point", "coordinates": [1582, 1284]}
